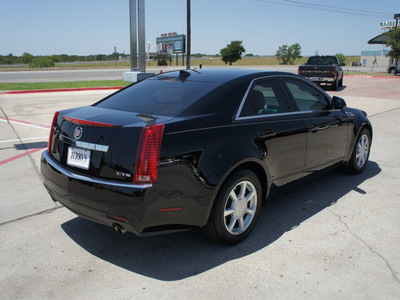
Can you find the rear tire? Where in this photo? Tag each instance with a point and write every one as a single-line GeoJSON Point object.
{"type": "Point", "coordinates": [236, 208]}
{"type": "Point", "coordinates": [341, 82]}
{"type": "Point", "coordinates": [359, 158]}
{"type": "Point", "coordinates": [335, 85]}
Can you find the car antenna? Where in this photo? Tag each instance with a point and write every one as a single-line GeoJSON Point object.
{"type": "Point", "coordinates": [183, 75]}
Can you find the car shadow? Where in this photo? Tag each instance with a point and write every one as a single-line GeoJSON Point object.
{"type": "Point", "coordinates": [181, 255]}
{"type": "Point", "coordinates": [29, 146]}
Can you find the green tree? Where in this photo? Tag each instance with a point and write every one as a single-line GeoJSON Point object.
{"type": "Point", "coordinates": [41, 62]}
{"type": "Point", "coordinates": [27, 58]}
{"type": "Point", "coordinates": [341, 58]}
{"type": "Point", "coordinates": [162, 59]}
{"type": "Point", "coordinates": [288, 54]}
{"type": "Point", "coordinates": [232, 52]}
{"type": "Point", "coordinates": [394, 44]}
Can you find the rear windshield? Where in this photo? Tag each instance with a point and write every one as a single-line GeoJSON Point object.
{"type": "Point", "coordinates": [165, 96]}
{"type": "Point", "coordinates": [319, 60]}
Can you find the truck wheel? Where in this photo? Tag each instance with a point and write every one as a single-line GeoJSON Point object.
{"type": "Point", "coordinates": [335, 85]}
{"type": "Point", "coordinates": [341, 82]}
{"type": "Point", "coordinates": [391, 71]}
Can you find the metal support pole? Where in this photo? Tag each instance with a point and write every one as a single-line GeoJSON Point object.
{"type": "Point", "coordinates": [188, 36]}
{"type": "Point", "coordinates": [133, 35]}
{"type": "Point", "coordinates": [142, 37]}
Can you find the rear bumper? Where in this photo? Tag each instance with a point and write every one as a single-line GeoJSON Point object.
{"type": "Point", "coordinates": [138, 208]}
{"type": "Point", "coordinates": [319, 80]}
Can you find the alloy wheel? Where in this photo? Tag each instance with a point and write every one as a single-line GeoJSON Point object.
{"type": "Point", "coordinates": [240, 207]}
{"type": "Point", "coordinates": [362, 150]}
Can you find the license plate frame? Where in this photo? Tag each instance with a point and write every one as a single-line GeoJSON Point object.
{"type": "Point", "coordinates": [316, 78]}
{"type": "Point", "coordinates": [79, 158]}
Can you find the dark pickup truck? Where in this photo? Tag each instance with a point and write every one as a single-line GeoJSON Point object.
{"type": "Point", "coordinates": [323, 69]}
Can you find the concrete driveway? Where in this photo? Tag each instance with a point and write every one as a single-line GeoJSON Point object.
{"type": "Point", "coordinates": [337, 236]}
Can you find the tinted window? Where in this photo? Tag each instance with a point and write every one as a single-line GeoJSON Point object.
{"type": "Point", "coordinates": [264, 98]}
{"type": "Point", "coordinates": [306, 97]}
{"type": "Point", "coordinates": [322, 60]}
{"type": "Point", "coordinates": [166, 96]}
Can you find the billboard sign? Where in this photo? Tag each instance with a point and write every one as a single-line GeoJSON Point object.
{"type": "Point", "coordinates": [171, 44]}
{"type": "Point", "coordinates": [388, 25]}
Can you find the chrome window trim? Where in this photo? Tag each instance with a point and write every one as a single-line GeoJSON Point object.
{"type": "Point", "coordinates": [54, 164]}
{"type": "Point", "coordinates": [239, 111]}
{"type": "Point", "coordinates": [84, 145]}
{"type": "Point", "coordinates": [272, 115]}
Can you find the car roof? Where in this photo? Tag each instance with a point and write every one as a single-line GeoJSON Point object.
{"type": "Point", "coordinates": [218, 75]}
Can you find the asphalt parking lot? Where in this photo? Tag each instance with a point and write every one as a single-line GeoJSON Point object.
{"type": "Point", "coordinates": [335, 237]}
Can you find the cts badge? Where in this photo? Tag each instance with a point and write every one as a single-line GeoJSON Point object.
{"type": "Point", "coordinates": [78, 132]}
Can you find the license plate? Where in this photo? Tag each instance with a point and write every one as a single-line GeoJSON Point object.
{"type": "Point", "coordinates": [316, 78]}
{"type": "Point", "coordinates": [79, 158]}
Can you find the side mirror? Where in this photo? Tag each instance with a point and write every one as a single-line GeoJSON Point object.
{"type": "Point", "coordinates": [338, 103]}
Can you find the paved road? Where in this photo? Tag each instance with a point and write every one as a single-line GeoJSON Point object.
{"type": "Point", "coordinates": [336, 237]}
{"type": "Point", "coordinates": [112, 74]}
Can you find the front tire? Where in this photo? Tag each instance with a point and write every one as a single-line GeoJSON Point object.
{"type": "Point", "coordinates": [236, 208]}
{"type": "Point", "coordinates": [359, 158]}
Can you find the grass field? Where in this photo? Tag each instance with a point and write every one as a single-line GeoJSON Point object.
{"type": "Point", "coordinates": [246, 61]}
{"type": "Point", "coordinates": [60, 85]}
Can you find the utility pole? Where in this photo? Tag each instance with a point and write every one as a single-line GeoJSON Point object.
{"type": "Point", "coordinates": [142, 38]}
{"type": "Point", "coordinates": [137, 35]}
{"type": "Point", "coordinates": [132, 18]}
{"type": "Point", "coordinates": [188, 35]}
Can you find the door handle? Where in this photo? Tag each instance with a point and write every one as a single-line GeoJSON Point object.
{"type": "Point", "coordinates": [322, 128]}
{"type": "Point", "coordinates": [315, 128]}
{"type": "Point", "coordinates": [266, 133]}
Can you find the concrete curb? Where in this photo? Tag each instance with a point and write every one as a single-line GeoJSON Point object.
{"type": "Point", "coordinates": [64, 90]}
{"type": "Point", "coordinates": [375, 77]}
{"type": "Point", "coordinates": [120, 87]}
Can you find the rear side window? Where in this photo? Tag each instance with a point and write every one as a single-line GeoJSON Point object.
{"type": "Point", "coordinates": [264, 99]}
{"type": "Point", "coordinates": [166, 96]}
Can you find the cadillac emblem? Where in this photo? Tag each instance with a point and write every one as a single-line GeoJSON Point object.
{"type": "Point", "coordinates": [78, 132]}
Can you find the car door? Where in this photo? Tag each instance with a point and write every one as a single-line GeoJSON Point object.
{"type": "Point", "coordinates": [327, 128]}
{"type": "Point", "coordinates": [270, 122]}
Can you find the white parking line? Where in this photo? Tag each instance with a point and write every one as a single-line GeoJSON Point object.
{"type": "Point", "coordinates": [34, 125]}
{"type": "Point", "coordinates": [26, 139]}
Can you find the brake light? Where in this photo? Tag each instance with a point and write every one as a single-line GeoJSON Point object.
{"type": "Point", "coordinates": [89, 123]}
{"type": "Point", "coordinates": [53, 124]}
{"type": "Point", "coordinates": [148, 154]}
{"type": "Point", "coordinates": [298, 70]}
{"type": "Point", "coordinates": [334, 71]}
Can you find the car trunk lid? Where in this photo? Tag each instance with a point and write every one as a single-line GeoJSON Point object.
{"type": "Point", "coordinates": [100, 142]}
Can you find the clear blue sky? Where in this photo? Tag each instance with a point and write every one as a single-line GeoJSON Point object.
{"type": "Point", "coordinates": [84, 27]}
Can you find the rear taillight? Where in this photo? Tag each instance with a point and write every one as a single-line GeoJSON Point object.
{"type": "Point", "coordinates": [148, 154]}
{"type": "Point", "coordinates": [53, 125]}
{"type": "Point", "coordinates": [334, 71]}
{"type": "Point", "coordinates": [298, 70]}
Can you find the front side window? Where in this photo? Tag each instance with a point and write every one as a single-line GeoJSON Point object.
{"type": "Point", "coordinates": [264, 98]}
{"type": "Point", "coordinates": [306, 97]}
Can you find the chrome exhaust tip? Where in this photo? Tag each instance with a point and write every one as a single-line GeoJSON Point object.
{"type": "Point", "coordinates": [119, 229]}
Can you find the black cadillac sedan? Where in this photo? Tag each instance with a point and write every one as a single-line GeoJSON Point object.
{"type": "Point", "coordinates": [198, 149]}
